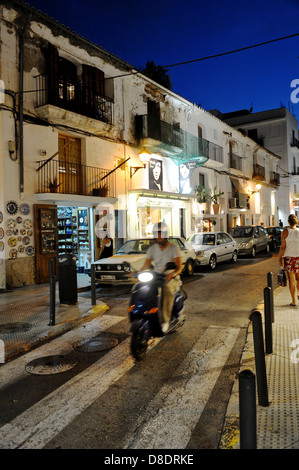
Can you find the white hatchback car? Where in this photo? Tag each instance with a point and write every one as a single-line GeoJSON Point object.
{"type": "Point", "coordinates": [213, 247]}
{"type": "Point", "coordinates": [119, 268]}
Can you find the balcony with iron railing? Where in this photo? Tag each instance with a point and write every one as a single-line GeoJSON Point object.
{"type": "Point", "coordinates": [170, 140]}
{"type": "Point", "coordinates": [58, 176]}
{"type": "Point", "coordinates": [274, 178]}
{"type": "Point", "coordinates": [73, 100]}
{"type": "Point", "coordinates": [259, 172]}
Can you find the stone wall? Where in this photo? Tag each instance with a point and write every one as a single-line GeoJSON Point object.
{"type": "Point", "coordinates": [20, 272]}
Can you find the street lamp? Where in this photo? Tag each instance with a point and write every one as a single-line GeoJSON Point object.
{"type": "Point", "coordinates": [144, 156]}
{"type": "Point", "coordinates": [257, 189]}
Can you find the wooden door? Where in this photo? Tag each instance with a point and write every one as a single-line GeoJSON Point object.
{"type": "Point", "coordinates": [46, 240]}
{"type": "Point", "coordinates": [70, 165]}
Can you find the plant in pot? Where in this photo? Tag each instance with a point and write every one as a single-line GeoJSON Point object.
{"type": "Point", "coordinates": [102, 190]}
{"type": "Point", "coordinates": [214, 196]}
{"type": "Point", "coordinates": [53, 185]}
{"type": "Point", "coordinates": [203, 195]}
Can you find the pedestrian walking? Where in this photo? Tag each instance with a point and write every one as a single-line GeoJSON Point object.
{"type": "Point", "coordinates": [289, 256]}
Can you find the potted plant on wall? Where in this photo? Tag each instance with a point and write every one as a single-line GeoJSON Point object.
{"type": "Point", "coordinates": [53, 185]}
{"type": "Point", "coordinates": [102, 190]}
{"type": "Point", "coordinates": [203, 195]}
{"type": "Point", "coordinates": [215, 200]}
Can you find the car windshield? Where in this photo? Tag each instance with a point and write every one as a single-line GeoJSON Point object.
{"type": "Point", "coordinates": [242, 232]}
{"type": "Point", "coordinates": [203, 239]}
{"type": "Point", "coordinates": [270, 230]}
{"type": "Point", "coordinates": [135, 246]}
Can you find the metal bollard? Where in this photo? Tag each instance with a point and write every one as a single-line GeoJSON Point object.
{"type": "Point", "coordinates": [270, 284]}
{"type": "Point", "coordinates": [268, 320]}
{"type": "Point", "coordinates": [93, 285]}
{"type": "Point", "coordinates": [247, 408]}
{"type": "Point", "coordinates": [260, 364]}
{"type": "Point", "coordinates": [52, 293]}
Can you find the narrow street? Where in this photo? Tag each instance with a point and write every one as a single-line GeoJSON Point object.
{"type": "Point", "coordinates": [176, 398]}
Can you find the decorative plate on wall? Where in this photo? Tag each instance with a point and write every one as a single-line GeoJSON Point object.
{"type": "Point", "coordinates": [1, 246]}
{"type": "Point", "coordinates": [27, 223]}
{"type": "Point", "coordinates": [11, 223]}
{"type": "Point", "coordinates": [1, 233]}
{"type": "Point", "coordinates": [26, 240]}
{"type": "Point", "coordinates": [25, 209]}
{"type": "Point", "coordinates": [12, 241]}
{"type": "Point", "coordinates": [1, 217]}
{"type": "Point", "coordinates": [13, 253]}
{"type": "Point", "coordinates": [30, 250]}
{"type": "Point", "coordinates": [19, 220]}
{"type": "Point", "coordinates": [12, 207]}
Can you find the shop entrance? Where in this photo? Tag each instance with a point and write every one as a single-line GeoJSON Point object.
{"type": "Point", "coordinates": [148, 216]}
{"type": "Point", "coordinates": [75, 235]}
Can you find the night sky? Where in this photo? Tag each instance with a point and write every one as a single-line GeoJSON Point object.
{"type": "Point", "coordinates": [172, 31]}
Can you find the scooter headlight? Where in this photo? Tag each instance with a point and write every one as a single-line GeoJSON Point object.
{"type": "Point", "coordinates": [145, 277]}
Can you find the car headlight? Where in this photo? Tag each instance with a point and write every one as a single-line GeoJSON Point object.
{"type": "Point", "coordinates": [145, 277]}
{"type": "Point", "coordinates": [127, 268]}
{"type": "Point", "coordinates": [98, 267]}
{"type": "Point", "coordinates": [118, 267]}
{"type": "Point", "coordinates": [199, 253]}
{"type": "Point", "coordinates": [245, 245]}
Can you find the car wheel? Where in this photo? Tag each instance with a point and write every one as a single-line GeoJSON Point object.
{"type": "Point", "coordinates": [253, 252]}
{"type": "Point", "coordinates": [234, 257]}
{"type": "Point", "coordinates": [212, 262]}
{"type": "Point", "coordinates": [267, 250]}
{"type": "Point", "coordinates": [189, 268]}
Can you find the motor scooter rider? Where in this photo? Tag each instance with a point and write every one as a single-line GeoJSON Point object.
{"type": "Point", "coordinates": [161, 253]}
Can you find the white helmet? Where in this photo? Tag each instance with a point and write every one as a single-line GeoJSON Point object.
{"type": "Point", "coordinates": [161, 227]}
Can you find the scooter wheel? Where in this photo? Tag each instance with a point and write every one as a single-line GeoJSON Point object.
{"type": "Point", "coordinates": [138, 346]}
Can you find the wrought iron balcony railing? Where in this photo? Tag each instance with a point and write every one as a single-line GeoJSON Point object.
{"type": "Point", "coordinates": [171, 139]}
{"type": "Point", "coordinates": [58, 176]}
{"type": "Point", "coordinates": [274, 178]}
{"type": "Point", "coordinates": [259, 172]}
{"type": "Point", "coordinates": [101, 109]}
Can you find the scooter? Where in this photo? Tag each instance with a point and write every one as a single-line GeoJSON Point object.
{"type": "Point", "coordinates": [145, 311]}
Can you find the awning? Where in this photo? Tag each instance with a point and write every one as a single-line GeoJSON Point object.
{"type": "Point", "coordinates": [239, 184]}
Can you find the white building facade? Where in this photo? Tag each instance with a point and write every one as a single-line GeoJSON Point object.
{"type": "Point", "coordinates": [74, 121]}
{"type": "Point", "coordinates": [277, 130]}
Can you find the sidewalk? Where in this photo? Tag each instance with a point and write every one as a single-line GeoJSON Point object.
{"type": "Point", "coordinates": [24, 324]}
{"type": "Point", "coordinates": [25, 316]}
{"type": "Point", "coordinates": [278, 423]}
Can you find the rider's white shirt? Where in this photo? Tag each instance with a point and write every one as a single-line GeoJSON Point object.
{"type": "Point", "coordinates": [162, 257]}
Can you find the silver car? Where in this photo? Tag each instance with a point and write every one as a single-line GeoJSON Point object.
{"type": "Point", "coordinates": [251, 239]}
{"type": "Point", "coordinates": [213, 247]}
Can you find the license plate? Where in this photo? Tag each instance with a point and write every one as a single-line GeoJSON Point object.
{"type": "Point", "coordinates": [106, 276]}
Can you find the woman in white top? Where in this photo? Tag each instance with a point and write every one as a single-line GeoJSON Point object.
{"type": "Point", "coordinates": [289, 255]}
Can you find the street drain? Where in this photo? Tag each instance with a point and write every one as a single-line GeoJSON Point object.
{"type": "Point", "coordinates": [50, 365]}
{"type": "Point", "coordinates": [10, 328]}
{"type": "Point", "coordinates": [95, 344]}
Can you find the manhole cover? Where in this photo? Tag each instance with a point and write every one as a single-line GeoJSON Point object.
{"type": "Point", "coordinates": [95, 344]}
{"type": "Point", "coordinates": [8, 328]}
{"type": "Point", "coordinates": [50, 365]}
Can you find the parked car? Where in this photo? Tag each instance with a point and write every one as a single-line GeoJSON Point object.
{"type": "Point", "coordinates": [274, 236]}
{"type": "Point", "coordinates": [213, 247]}
{"type": "Point", "coordinates": [251, 239]}
{"type": "Point", "coordinates": [130, 258]}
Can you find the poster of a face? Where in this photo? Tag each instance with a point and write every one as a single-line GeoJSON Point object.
{"type": "Point", "coordinates": [155, 174]}
{"type": "Point", "coordinates": [185, 172]}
